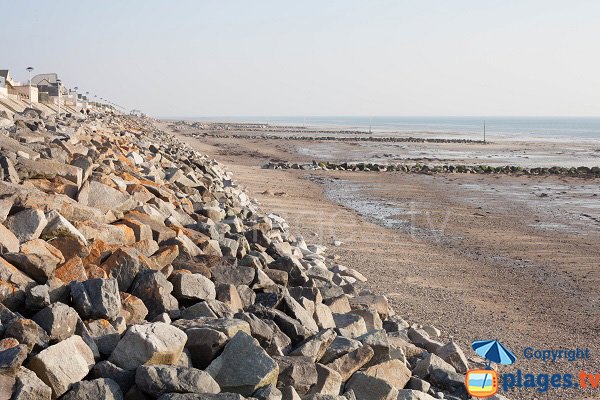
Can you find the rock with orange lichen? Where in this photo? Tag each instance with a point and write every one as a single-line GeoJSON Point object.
{"type": "Point", "coordinates": [71, 270]}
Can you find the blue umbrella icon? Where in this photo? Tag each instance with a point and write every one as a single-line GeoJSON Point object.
{"type": "Point", "coordinates": [493, 351]}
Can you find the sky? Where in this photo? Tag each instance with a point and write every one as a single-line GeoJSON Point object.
{"type": "Point", "coordinates": [192, 58]}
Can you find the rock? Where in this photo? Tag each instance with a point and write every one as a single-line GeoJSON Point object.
{"type": "Point", "coordinates": [49, 169]}
{"type": "Point", "coordinates": [323, 316]}
{"type": "Point", "coordinates": [329, 382]}
{"type": "Point", "coordinates": [229, 295]}
{"type": "Point", "coordinates": [58, 320]}
{"type": "Point", "coordinates": [229, 326]}
{"type": "Point", "coordinates": [27, 332]}
{"type": "Point", "coordinates": [289, 393]}
{"type": "Point", "coordinates": [11, 358]}
{"type": "Point", "coordinates": [134, 308]}
{"type": "Point", "coordinates": [378, 341]}
{"type": "Point", "coordinates": [292, 308]}
{"type": "Point", "coordinates": [96, 298]}
{"type": "Point", "coordinates": [29, 387]}
{"type": "Point", "coordinates": [37, 297]}
{"type": "Point", "coordinates": [58, 226]}
{"type": "Point", "coordinates": [9, 243]}
{"type": "Point", "coordinates": [268, 393]}
{"type": "Point", "coordinates": [376, 302]}
{"type": "Point", "coordinates": [156, 380]}
{"type": "Point", "coordinates": [422, 339]}
{"type": "Point", "coordinates": [233, 275]}
{"type": "Point", "coordinates": [37, 259]}
{"type": "Point", "coordinates": [188, 286]}
{"type": "Point", "coordinates": [453, 355]}
{"type": "Point", "coordinates": [420, 385]}
{"type": "Point", "coordinates": [297, 372]}
{"type": "Point", "coordinates": [450, 381]}
{"type": "Point", "coordinates": [204, 396]}
{"type": "Point", "coordinates": [27, 224]}
{"type": "Point", "coordinates": [71, 270]}
{"type": "Point", "coordinates": [351, 362]}
{"type": "Point", "coordinates": [393, 371]}
{"type": "Point", "coordinates": [155, 343]}
{"type": "Point", "coordinates": [428, 364]}
{"type": "Point", "coordinates": [407, 394]}
{"type": "Point", "coordinates": [96, 389]}
{"type": "Point", "coordinates": [367, 387]}
{"type": "Point", "coordinates": [204, 344]}
{"type": "Point", "coordinates": [349, 325]}
{"type": "Point", "coordinates": [105, 198]}
{"type": "Point", "coordinates": [105, 369]}
{"type": "Point", "coordinates": [371, 318]}
{"type": "Point", "coordinates": [104, 335]}
{"type": "Point", "coordinates": [63, 364]}
{"type": "Point", "coordinates": [315, 347]}
{"type": "Point", "coordinates": [123, 265]}
{"type": "Point", "coordinates": [244, 366]}
{"type": "Point", "coordinates": [338, 348]}
{"type": "Point", "coordinates": [155, 291]}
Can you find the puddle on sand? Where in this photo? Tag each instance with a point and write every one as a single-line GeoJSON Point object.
{"type": "Point", "coordinates": [382, 212]}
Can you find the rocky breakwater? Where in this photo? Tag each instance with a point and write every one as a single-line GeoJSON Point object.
{"type": "Point", "coordinates": [132, 267]}
{"type": "Point", "coordinates": [445, 168]}
{"type": "Point", "coordinates": [318, 136]}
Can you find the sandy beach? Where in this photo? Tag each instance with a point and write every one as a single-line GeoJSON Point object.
{"type": "Point", "coordinates": [479, 256]}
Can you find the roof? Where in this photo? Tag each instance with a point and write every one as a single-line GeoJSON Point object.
{"type": "Point", "coordinates": [4, 73]}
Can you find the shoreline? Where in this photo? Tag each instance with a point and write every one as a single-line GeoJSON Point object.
{"type": "Point", "coordinates": [489, 234]}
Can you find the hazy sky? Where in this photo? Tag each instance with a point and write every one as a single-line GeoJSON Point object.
{"type": "Point", "coordinates": [346, 57]}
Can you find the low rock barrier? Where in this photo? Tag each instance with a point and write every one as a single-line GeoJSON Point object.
{"type": "Point", "coordinates": [445, 168]}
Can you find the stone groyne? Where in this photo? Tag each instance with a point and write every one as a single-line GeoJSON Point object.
{"type": "Point", "coordinates": [132, 267]}
{"type": "Point", "coordinates": [445, 168]}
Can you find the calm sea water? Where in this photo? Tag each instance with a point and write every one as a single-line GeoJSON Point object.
{"type": "Point", "coordinates": [524, 127]}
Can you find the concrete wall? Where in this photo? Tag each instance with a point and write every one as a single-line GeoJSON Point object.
{"type": "Point", "coordinates": [3, 92]}
{"type": "Point", "coordinates": [25, 93]}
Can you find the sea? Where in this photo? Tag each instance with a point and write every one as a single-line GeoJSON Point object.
{"type": "Point", "coordinates": [586, 128]}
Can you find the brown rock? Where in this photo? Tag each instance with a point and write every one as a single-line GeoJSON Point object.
{"type": "Point", "coordinates": [349, 363]}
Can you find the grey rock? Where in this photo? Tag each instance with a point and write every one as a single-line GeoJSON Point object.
{"type": "Point", "coordinates": [96, 298]}
{"type": "Point", "coordinates": [156, 380]}
{"type": "Point", "coordinates": [349, 325]}
{"type": "Point", "coordinates": [244, 366]}
{"type": "Point", "coordinates": [105, 369]}
{"type": "Point", "coordinates": [104, 335]}
{"type": "Point", "coordinates": [155, 343]}
{"type": "Point", "coordinates": [453, 355]}
{"type": "Point", "coordinates": [408, 394]}
{"type": "Point", "coordinates": [37, 297]}
{"type": "Point", "coordinates": [58, 320]}
{"type": "Point", "coordinates": [193, 287]}
{"type": "Point", "coordinates": [29, 387]}
{"type": "Point", "coordinates": [37, 259]}
{"type": "Point", "coordinates": [366, 387]}
{"type": "Point", "coordinates": [59, 226]}
{"type": "Point", "coordinates": [63, 364]}
{"type": "Point", "coordinates": [101, 388]}
{"type": "Point", "coordinates": [155, 291]}
{"type": "Point", "coordinates": [316, 346]}
{"type": "Point", "coordinates": [297, 372]}
{"type": "Point", "coordinates": [9, 243]}
{"type": "Point", "coordinates": [204, 344]}
{"type": "Point", "coordinates": [27, 332]}
{"type": "Point", "coordinates": [428, 364]}
{"type": "Point", "coordinates": [27, 224]}
{"type": "Point", "coordinates": [123, 265]}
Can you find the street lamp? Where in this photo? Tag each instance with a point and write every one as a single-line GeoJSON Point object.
{"type": "Point", "coordinates": [58, 81]}
{"type": "Point", "coordinates": [29, 69]}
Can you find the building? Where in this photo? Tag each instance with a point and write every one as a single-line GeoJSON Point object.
{"type": "Point", "coordinates": [15, 90]}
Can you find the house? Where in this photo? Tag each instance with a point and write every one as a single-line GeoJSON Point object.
{"type": "Point", "coordinates": [47, 85]}
{"type": "Point", "coordinates": [17, 91]}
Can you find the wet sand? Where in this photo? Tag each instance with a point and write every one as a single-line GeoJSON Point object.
{"type": "Point", "coordinates": [478, 256]}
